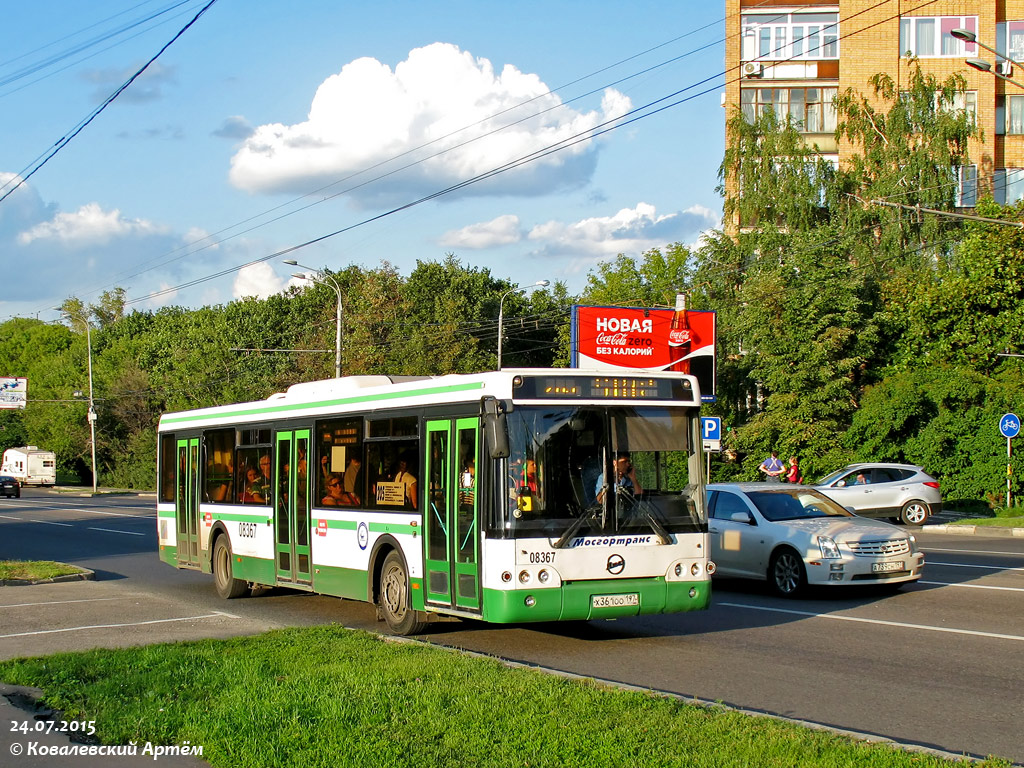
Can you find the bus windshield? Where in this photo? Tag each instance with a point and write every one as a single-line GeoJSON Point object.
{"type": "Point", "coordinates": [589, 470]}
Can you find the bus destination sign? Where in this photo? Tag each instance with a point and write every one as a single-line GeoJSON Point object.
{"type": "Point", "coordinates": [602, 388]}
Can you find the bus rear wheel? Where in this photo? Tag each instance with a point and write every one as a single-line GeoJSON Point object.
{"type": "Point", "coordinates": [395, 599]}
{"type": "Point", "coordinates": [228, 587]}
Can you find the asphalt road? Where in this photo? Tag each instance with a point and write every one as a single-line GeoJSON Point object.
{"type": "Point", "coordinates": [937, 664]}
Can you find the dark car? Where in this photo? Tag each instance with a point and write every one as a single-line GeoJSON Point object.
{"type": "Point", "coordinates": [10, 487]}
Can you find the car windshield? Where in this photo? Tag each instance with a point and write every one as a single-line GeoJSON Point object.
{"type": "Point", "coordinates": [795, 504]}
{"type": "Point", "coordinates": [832, 477]}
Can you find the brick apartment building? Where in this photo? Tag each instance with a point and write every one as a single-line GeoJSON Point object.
{"type": "Point", "coordinates": [794, 57]}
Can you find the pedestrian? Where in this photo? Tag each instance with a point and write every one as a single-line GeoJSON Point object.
{"type": "Point", "coordinates": [793, 472]}
{"type": "Point", "coordinates": [773, 468]}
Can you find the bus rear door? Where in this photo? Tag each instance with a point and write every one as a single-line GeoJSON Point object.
{"type": "Point", "coordinates": [186, 502]}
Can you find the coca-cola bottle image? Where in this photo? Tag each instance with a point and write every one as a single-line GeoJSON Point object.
{"type": "Point", "coordinates": [680, 337]}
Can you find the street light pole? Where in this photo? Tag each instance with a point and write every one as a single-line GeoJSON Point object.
{"type": "Point", "coordinates": [981, 64]}
{"type": "Point", "coordinates": [501, 311]}
{"type": "Point", "coordinates": [319, 277]}
{"type": "Point", "coordinates": [92, 402]}
{"type": "Point", "coordinates": [92, 409]}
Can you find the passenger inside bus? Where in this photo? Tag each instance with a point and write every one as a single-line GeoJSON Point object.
{"type": "Point", "coordinates": [337, 496]}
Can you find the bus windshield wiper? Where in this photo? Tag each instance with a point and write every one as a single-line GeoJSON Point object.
{"type": "Point", "coordinates": [644, 511]}
{"type": "Point", "coordinates": [572, 530]}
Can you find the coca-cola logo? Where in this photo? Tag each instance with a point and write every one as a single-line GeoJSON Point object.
{"type": "Point", "coordinates": [678, 337]}
{"type": "Point", "coordinates": [612, 339]}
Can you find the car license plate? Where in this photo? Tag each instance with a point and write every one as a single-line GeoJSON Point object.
{"type": "Point", "coordinates": [886, 567]}
{"type": "Point", "coordinates": [614, 601]}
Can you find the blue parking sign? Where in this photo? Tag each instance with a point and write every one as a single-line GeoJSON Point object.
{"type": "Point", "coordinates": [1009, 425]}
{"type": "Point", "coordinates": [711, 427]}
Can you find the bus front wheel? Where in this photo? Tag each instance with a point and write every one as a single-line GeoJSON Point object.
{"type": "Point", "coordinates": [395, 600]}
{"type": "Point", "coordinates": [228, 587]}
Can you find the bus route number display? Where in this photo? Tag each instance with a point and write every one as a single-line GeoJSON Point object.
{"type": "Point", "coordinates": [602, 388]}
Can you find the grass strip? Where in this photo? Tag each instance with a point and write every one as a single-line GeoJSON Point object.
{"type": "Point", "coordinates": [328, 696]}
{"type": "Point", "coordinates": [34, 570]}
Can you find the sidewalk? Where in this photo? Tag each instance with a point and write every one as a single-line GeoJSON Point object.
{"type": "Point", "coordinates": [945, 522]}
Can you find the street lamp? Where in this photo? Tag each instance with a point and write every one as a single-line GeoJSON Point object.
{"type": "Point", "coordinates": [92, 403]}
{"type": "Point", "coordinates": [501, 311]}
{"type": "Point", "coordinates": [319, 277]}
{"type": "Point", "coordinates": [981, 64]}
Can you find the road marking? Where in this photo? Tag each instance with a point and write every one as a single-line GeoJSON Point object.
{"type": "Point", "coordinates": [972, 551]}
{"type": "Point", "coordinates": [111, 530]}
{"type": "Point", "coordinates": [62, 602]}
{"type": "Point", "coordinates": [50, 522]}
{"type": "Point", "coordinates": [882, 622]}
{"type": "Point", "coordinates": [213, 615]}
{"type": "Point", "coordinates": [970, 565]}
{"type": "Point", "coordinates": [971, 586]}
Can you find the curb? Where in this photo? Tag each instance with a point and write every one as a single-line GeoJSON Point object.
{"type": "Point", "coordinates": [84, 574]}
{"type": "Point", "coordinates": [973, 530]}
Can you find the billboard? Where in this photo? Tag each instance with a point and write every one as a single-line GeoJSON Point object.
{"type": "Point", "coordinates": [646, 339]}
{"type": "Point", "coordinates": [13, 392]}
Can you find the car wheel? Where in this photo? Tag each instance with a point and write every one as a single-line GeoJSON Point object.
{"type": "Point", "coordinates": [914, 513]}
{"type": "Point", "coordinates": [395, 600]}
{"type": "Point", "coordinates": [228, 587]}
{"type": "Point", "coordinates": [786, 573]}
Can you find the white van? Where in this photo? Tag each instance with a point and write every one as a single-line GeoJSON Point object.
{"type": "Point", "coordinates": [30, 466]}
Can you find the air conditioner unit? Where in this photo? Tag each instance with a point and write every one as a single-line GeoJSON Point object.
{"type": "Point", "coordinates": [1004, 68]}
{"type": "Point", "coordinates": [753, 69]}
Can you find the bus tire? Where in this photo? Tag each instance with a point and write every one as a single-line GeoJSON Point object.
{"type": "Point", "coordinates": [786, 573]}
{"type": "Point", "coordinates": [395, 597]}
{"type": "Point", "coordinates": [228, 587]}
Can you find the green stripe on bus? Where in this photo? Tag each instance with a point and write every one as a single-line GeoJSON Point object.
{"type": "Point", "coordinates": [238, 517]}
{"type": "Point", "coordinates": [351, 525]}
{"type": "Point", "coordinates": [271, 409]}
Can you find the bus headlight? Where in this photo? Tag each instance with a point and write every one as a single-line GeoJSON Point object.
{"type": "Point", "coordinates": [829, 548]}
{"type": "Point", "coordinates": [544, 577]}
{"type": "Point", "coordinates": [694, 569]}
{"type": "Point", "coordinates": [524, 577]}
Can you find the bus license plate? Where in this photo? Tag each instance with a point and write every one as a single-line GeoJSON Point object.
{"type": "Point", "coordinates": [886, 567]}
{"type": "Point", "coordinates": [614, 601]}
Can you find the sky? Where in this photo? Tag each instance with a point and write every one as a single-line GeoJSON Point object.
{"type": "Point", "coordinates": [533, 139]}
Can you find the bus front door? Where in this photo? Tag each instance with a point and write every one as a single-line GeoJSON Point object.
{"type": "Point", "coordinates": [291, 508]}
{"type": "Point", "coordinates": [451, 515]}
{"type": "Point", "coordinates": [186, 502]}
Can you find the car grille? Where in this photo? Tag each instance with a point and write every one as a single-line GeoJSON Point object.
{"type": "Point", "coordinates": [875, 548]}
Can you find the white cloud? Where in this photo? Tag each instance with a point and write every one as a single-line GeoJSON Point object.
{"type": "Point", "coordinates": [259, 280]}
{"type": "Point", "coordinates": [89, 225]}
{"type": "Point", "coordinates": [503, 230]}
{"type": "Point", "coordinates": [368, 114]}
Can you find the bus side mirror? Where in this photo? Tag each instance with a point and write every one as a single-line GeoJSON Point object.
{"type": "Point", "coordinates": [495, 428]}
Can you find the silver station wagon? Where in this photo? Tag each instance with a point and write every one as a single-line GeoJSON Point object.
{"type": "Point", "coordinates": [793, 536]}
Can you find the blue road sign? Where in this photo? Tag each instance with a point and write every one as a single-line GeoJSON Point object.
{"type": "Point", "coordinates": [1009, 425]}
{"type": "Point", "coordinates": [711, 427]}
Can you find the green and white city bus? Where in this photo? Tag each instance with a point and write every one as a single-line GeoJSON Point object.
{"type": "Point", "coordinates": [480, 496]}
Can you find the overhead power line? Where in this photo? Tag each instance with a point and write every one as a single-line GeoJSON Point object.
{"type": "Point", "coordinates": [22, 177]}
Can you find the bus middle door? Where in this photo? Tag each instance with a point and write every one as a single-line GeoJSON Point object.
{"type": "Point", "coordinates": [291, 508]}
{"type": "Point", "coordinates": [451, 515]}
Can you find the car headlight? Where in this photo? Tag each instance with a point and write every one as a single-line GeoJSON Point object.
{"type": "Point", "coordinates": [913, 543]}
{"type": "Point", "coordinates": [829, 548]}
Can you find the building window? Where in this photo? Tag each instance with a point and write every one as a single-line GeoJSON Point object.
{"type": "Point", "coordinates": [963, 101]}
{"type": "Point", "coordinates": [811, 109]}
{"type": "Point", "coordinates": [932, 36]}
{"type": "Point", "coordinates": [1014, 121]}
{"type": "Point", "coordinates": [1008, 185]}
{"type": "Point", "coordinates": [1010, 39]}
{"type": "Point", "coordinates": [785, 36]}
{"type": "Point", "coordinates": [967, 186]}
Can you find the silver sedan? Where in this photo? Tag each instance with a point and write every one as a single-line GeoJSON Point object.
{"type": "Point", "coordinates": [793, 536]}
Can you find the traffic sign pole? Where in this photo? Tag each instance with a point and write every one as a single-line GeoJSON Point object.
{"type": "Point", "coordinates": [1009, 427]}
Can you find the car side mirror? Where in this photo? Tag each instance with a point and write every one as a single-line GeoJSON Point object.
{"type": "Point", "coordinates": [742, 517]}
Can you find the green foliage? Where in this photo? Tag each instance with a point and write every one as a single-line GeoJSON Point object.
{"type": "Point", "coordinates": [945, 419]}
